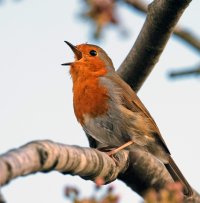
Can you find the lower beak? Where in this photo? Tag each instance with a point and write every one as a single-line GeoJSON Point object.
{"type": "Point", "coordinates": [77, 53]}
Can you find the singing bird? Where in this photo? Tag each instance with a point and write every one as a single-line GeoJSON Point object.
{"type": "Point", "coordinates": [110, 111]}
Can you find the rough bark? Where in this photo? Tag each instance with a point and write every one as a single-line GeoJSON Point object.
{"type": "Point", "coordinates": [45, 156]}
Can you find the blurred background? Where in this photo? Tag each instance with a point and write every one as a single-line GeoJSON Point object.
{"type": "Point", "coordinates": [36, 91]}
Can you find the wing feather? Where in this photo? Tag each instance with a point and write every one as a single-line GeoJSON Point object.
{"type": "Point", "coordinates": [132, 102]}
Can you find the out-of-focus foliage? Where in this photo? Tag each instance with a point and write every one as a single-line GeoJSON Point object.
{"type": "Point", "coordinates": [171, 194]}
{"type": "Point", "coordinates": [98, 196]}
{"type": "Point", "coordinates": [102, 13]}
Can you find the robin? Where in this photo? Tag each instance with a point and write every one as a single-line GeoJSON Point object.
{"type": "Point", "coordinates": [110, 111]}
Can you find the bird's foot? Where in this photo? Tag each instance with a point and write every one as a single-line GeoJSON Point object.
{"type": "Point", "coordinates": [115, 150]}
{"type": "Point", "coordinates": [112, 151]}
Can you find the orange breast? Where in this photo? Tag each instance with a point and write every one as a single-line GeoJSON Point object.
{"type": "Point", "coordinates": [89, 98]}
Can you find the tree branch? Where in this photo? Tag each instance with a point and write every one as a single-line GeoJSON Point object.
{"type": "Point", "coordinates": [139, 5]}
{"type": "Point", "coordinates": [193, 71]}
{"type": "Point", "coordinates": [46, 156]}
{"type": "Point", "coordinates": [188, 37]}
{"type": "Point", "coordinates": [161, 19]}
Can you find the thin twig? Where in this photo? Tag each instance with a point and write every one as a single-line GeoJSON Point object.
{"type": "Point", "coordinates": [193, 71]}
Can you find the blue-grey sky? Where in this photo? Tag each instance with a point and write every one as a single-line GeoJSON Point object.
{"type": "Point", "coordinates": [36, 95]}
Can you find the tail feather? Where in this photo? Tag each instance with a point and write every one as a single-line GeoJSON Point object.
{"type": "Point", "coordinates": [178, 176]}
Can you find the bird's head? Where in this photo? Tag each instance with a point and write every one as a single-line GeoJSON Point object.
{"type": "Point", "coordinates": [90, 60]}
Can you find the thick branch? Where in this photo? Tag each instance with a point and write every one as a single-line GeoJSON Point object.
{"type": "Point", "coordinates": [144, 171]}
{"type": "Point", "coordinates": [88, 163]}
{"type": "Point", "coordinates": [162, 17]}
{"type": "Point", "coordinates": [46, 156]}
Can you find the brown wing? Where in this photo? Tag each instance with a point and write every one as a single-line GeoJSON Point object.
{"type": "Point", "coordinates": [132, 102]}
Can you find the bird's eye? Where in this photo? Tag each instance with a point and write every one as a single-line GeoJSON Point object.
{"type": "Point", "coordinates": [93, 53]}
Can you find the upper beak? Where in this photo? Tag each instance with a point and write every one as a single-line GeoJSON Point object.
{"type": "Point", "coordinates": [77, 53]}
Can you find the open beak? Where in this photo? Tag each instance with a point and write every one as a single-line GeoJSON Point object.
{"type": "Point", "coordinates": [77, 53]}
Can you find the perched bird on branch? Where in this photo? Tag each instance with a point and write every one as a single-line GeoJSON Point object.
{"type": "Point", "coordinates": [110, 111]}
